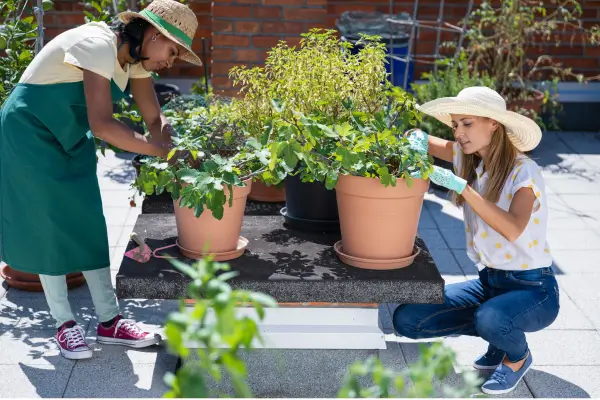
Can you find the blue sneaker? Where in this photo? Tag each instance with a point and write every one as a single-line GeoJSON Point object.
{"type": "Point", "coordinates": [489, 360]}
{"type": "Point", "coordinates": [504, 380]}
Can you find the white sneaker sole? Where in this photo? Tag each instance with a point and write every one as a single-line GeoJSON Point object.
{"type": "Point", "coordinates": [505, 391]}
{"type": "Point", "coordinates": [483, 368]}
{"type": "Point", "coordinates": [137, 344]}
{"type": "Point", "coordinates": [76, 355]}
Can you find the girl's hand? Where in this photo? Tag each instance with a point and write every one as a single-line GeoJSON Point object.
{"type": "Point", "coordinates": [444, 177]}
{"type": "Point", "coordinates": [419, 140]}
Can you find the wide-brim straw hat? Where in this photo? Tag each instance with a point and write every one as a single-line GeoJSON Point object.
{"type": "Point", "coordinates": [482, 101]}
{"type": "Point", "coordinates": [174, 20]}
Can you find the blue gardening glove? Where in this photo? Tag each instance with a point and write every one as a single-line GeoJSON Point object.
{"type": "Point", "coordinates": [419, 140]}
{"type": "Point", "coordinates": [444, 177]}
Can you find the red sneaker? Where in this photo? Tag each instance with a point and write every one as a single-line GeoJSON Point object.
{"type": "Point", "coordinates": [126, 332]}
{"type": "Point", "coordinates": [71, 341]}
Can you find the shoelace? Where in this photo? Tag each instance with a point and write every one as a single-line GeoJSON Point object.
{"type": "Point", "coordinates": [129, 326]}
{"type": "Point", "coordinates": [75, 336]}
{"type": "Point", "coordinates": [498, 376]}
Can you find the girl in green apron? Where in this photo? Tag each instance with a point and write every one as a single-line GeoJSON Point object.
{"type": "Point", "coordinates": [51, 217]}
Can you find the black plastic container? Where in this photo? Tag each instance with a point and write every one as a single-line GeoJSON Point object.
{"type": "Point", "coordinates": [310, 206]}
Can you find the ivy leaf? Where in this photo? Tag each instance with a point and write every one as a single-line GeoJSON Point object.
{"type": "Point", "coordinates": [385, 177]}
{"type": "Point", "coordinates": [327, 131]}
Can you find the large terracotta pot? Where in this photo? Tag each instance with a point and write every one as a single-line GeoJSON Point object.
{"type": "Point", "coordinates": [378, 223]}
{"type": "Point", "coordinates": [31, 282]}
{"type": "Point", "coordinates": [267, 194]}
{"type": "Point", "coordinates": [199, 237]}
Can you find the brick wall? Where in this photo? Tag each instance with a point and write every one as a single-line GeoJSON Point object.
{"type": "Point", "coordinates": [68, 13]}
{"type": "Point", "coordinates": [242, 31]}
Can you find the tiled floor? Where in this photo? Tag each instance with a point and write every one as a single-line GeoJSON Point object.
{"type": "Point", "coordinates": [567, 354]}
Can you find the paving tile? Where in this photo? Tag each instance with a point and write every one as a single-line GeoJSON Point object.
{"type": "Point", "coordinates": [455, 238]}
{"type": "Point", "coordinates": [117, 198]}
{"type": "Point", "coordinates": [114, 234]}
{"type": "Point", "coordinates": [425, 220]}
{"type": "Point", "coordinates": [385, 318]}
{"type": "Point", "coordinates": [582, 202]}
{"type": "Point", "coordinates": [465, 263]}
{"type": "Point", "coordinates": [117, 258]}
{"type": "Point", "coordinates": [559, 219]}
{"type": "Point", "coordinates": [573, 239]}
{"type": "Point", "coordinates": [126, 380]}
{"type": "Point", "coordinates": [564, 382]}
{"type": "Point", "coordinates": [573, 262]}
{"type": "Point", "coordinates": [572, 184]}
{"type": "Point", "coordinates": [580, 287]}
{"type": "Point", "coordinates": [445, 262]}
{"type": "Point", "coordinates": [116, 216]}
{"type": "Point", "coordinates": [565, 347]}
{"type": "Point", "coordinates": [570, 316]}
{"type": "Point", "coordinates": [132, 217]}
{"type": "Point", "coordinates": [31, 347]}
{"type": "Point", "coordinates": [591, 308]}
{"type": "Point", "coordinates": [34, 381]}
{"type": "Point", "coordinates": [36, 315]}
{"type": "Point", "coordinates": [433, 239]}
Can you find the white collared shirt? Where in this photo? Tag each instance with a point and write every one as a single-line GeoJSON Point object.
{"type": "Point", "coordinates": [485, 246]}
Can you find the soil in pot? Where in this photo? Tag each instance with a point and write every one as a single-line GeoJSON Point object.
{"type": "Point", "coordinates": [199, 237]}
{"type": "Point", "coordinates": [309, 206]}
{"type": "Point", "coordinates": [31, 282]}
{"type": "Point", "coordinates": [267, 194]}
{"type": "Point", "coordinates": [378, 223]}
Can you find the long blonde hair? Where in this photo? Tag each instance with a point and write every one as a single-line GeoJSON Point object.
{"type": "Point", "coordinates": [502, 158]}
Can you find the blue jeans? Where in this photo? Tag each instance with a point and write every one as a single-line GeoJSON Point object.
{"type": "Point", "coordinates": [499, 307]}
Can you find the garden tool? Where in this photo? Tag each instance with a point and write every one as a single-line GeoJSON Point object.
{"type": "Point", "coordinates": [143, 253]}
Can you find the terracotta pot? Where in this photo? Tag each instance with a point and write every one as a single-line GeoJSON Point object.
{"type": "Point", "coordinates": [534, 102]}
{"type": "Point", "coordinates": [199, 237]}
{"type": "Point", "coordinates": [31, 282]}
{"type": "Point", "coordinates": [378, 224]}
{"type": "Point", "coordinates": [267, 194]}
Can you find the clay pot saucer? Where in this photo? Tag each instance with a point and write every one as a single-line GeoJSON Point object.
{"type": "Point", "coordinates": [31, 282]}
{"type": "Point", "coordinates": [375, 264]}
{"type": "Point", "coordinates": [224, 256]}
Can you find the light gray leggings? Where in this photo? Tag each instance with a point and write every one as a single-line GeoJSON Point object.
{"type": "Point", "coordinates": [101, 289]}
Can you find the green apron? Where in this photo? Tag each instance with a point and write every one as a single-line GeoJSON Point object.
{"type": "Point", "coordinates": [51, 217]}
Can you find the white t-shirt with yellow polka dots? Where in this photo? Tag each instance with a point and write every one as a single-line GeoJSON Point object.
{"type": "Point", "coordinates": [485, 246]}
{"type": "Point", "coordinates": [91, 46]}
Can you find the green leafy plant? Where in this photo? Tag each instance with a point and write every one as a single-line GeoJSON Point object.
{"type": "Point", "coordinates": [210, 324]}
{"type": "Point", "coordinates": [213, 326]}
{"type": "Point", "coordinates": [17, 41]}
{"type": "Point", "coordinates": [325, 109]}
{"type": "Point", "coordinates": [452, 75]}
{"type": "Point", "coordinates": [436, 362]}
{"type": "Point", "coordinates": [211, 154]}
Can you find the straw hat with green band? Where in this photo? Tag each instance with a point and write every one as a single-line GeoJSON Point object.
{"type": "Point", "coordinates": [172, 19]}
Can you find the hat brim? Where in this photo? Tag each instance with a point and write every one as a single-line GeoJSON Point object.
{"type": "Point", "coordinates": [188, 54]}
{"type": "Point", "coordinates": [523, 132]}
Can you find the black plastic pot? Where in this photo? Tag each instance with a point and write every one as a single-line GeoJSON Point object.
{"type": "Point", "coordinates": [165, 91]}
{"type": "Point", "coordinates": [310, 206]}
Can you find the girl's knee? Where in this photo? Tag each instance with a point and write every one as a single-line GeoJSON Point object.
{"type": "Point", "coordinates": [405, 321]}
{"type": "Point", "coordinates": [490, 321]}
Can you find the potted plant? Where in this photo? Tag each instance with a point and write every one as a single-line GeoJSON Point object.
{"type": "Point", "coordinates": [209, 176]}
{"type": "Point", "coordinates": [358, 150]}
{"type": "Point", "coordinates": [315, 79]}
{"type": "Point", "coordinates": [509, 39]}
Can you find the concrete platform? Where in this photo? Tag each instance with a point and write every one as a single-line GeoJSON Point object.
{"type": "Point", "coordinates": [291, 266]}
